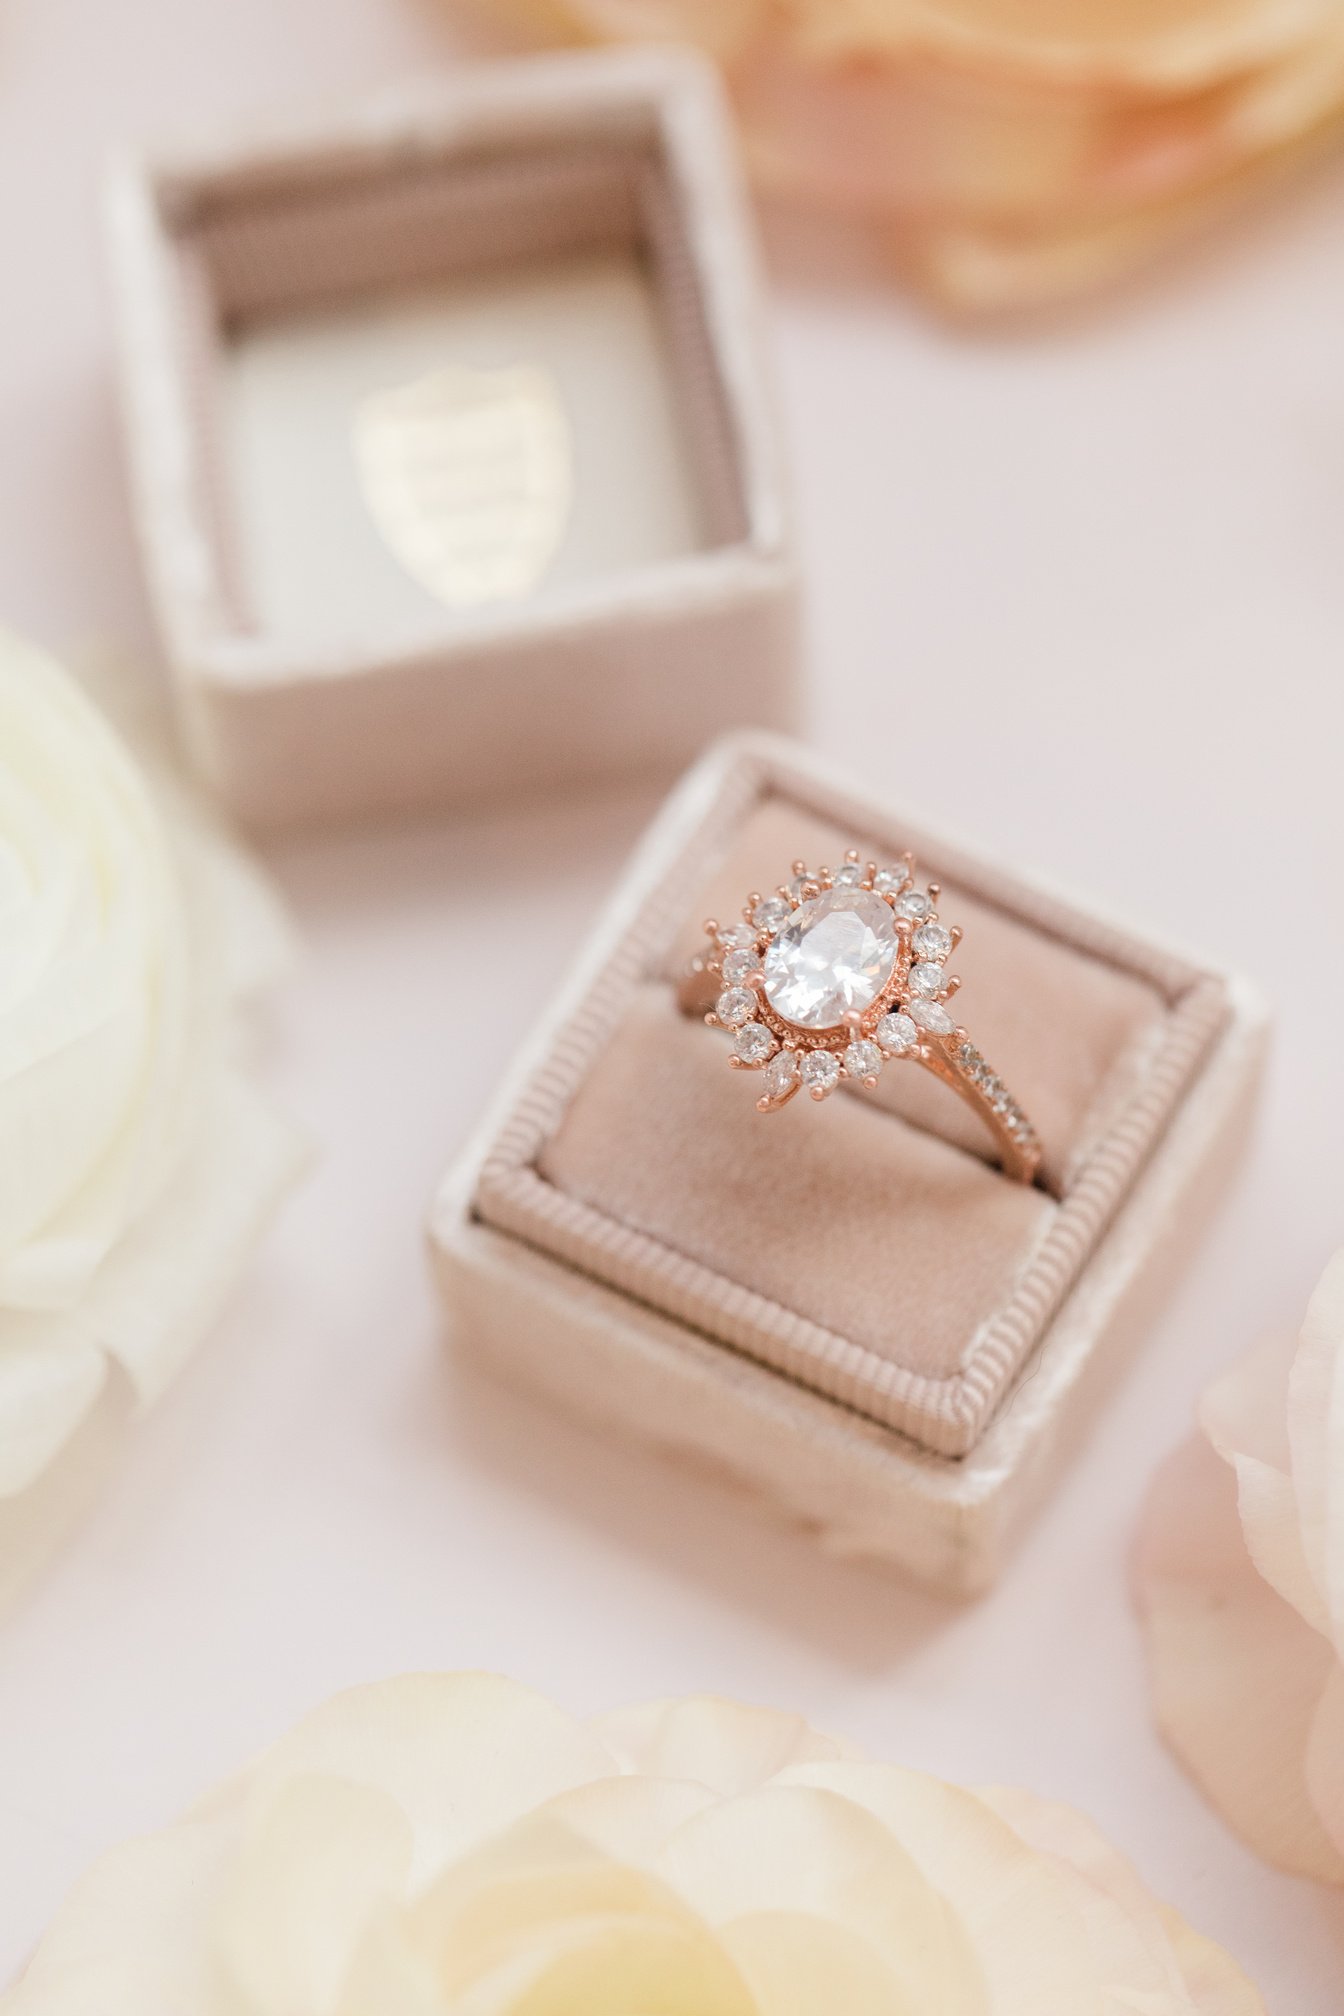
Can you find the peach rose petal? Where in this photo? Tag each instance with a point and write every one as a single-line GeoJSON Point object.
{"type": "Point", "coordinates": [1214, 1983]}
{"type": "Point", "coordinates": [977, 269]}
{"type": "Point", "coordinates": [1316, 1436]}
{"type": "Point", "coordinates": [1237, 1675]}
{"type": "Point", "coordinates": [1196, 1967]}
{"type": "Point", "coordinates": [1244, 1415]}
{"type": "Point", "coordinates": [1325, 1759]}
{"type": "Point", "coordinates": [1016, 151]}
{"type": "Point", "coordinates": [1142, 46]}
{"type": "Point", "coordinates": [722, 27]}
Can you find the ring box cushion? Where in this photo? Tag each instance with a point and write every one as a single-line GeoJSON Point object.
{"type": "Point", "coordinates": [867, 1248]}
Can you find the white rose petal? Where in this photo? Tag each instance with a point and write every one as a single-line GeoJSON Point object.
{"type": "Point", "coordinates": [1240, 1578]}
{"type": "Point", "coordinates": [138, 1164]}
{"type": "Point", "coordinates": [456, 1846]}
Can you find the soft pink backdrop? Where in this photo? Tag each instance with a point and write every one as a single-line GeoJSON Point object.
{"type": "Point", "coordinates": [1077, 591]}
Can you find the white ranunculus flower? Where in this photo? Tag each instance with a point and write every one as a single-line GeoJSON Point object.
{"type": "Point", "coordinates": [137, 1163]}
{"type": "Point", "coordinates": [456, 1846]}
{"type": "Point", "coordinates": [1240, 1577]}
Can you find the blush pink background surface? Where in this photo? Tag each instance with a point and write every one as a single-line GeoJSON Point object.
{"type": "Point", "coordinates": [1075, 590]}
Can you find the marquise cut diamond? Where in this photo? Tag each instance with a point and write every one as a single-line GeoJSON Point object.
{"type": "Point", "coordinates": [931, 1015]}
{"type": "Point", "coordinates": [781, 1074]}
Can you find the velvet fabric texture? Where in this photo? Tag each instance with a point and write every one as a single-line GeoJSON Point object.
{"type": "Point", "coordinates": [869, 1248]}
{"type": "Point", "coordinates": [629, 670]}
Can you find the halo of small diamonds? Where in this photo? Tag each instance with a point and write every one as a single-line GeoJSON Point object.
{"type": "Point", "coordinates": [853, 952]}
{"type": "Point", "coordinates": [837, 975]}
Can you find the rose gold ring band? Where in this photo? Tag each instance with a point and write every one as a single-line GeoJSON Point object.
{"type": "Point", "coordinates": [836, 977]}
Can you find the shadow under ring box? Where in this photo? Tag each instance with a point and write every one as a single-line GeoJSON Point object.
{"type": "Point", "coordinates": [454, 455]}
{"type": "Point", "coordinates": [847, 1309]}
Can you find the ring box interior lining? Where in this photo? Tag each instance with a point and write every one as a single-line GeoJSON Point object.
{"type": "Point", "coordinates": [579, 213]}
{"type": "Point", "coordinates": [866, 1247]}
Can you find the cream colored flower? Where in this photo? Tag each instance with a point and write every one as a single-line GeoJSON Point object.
{"type": "Point", "coordinates": [1241, 1586]}
{"type": "Point", "coordinates": [1010, 150]}
{"type": "Point", "coordinates": [137, 1163]}
{"type": "Point", "coordinates": [456, 1844]}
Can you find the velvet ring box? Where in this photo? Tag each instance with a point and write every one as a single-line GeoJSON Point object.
{"type": "Point", "coordinates": [847, 1308]}
{"type": "Point", "coordinates": [454, 458]}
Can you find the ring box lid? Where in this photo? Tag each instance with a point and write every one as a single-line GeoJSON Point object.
{"type": "Point", "coordinates": [317, 678]}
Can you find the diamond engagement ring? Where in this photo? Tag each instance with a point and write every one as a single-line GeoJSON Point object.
{"type": "Point", "coordinates": [839, 974]}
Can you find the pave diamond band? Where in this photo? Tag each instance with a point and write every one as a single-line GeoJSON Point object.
{"type": "Point", "coordinates": [838, 975]}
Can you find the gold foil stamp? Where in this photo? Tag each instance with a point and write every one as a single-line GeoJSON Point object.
{"type": "Point", "coordinates": [468, 476]}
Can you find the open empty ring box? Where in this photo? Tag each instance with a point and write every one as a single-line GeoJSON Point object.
{"type": "Point", "coordinates": [846, 1307]}
{"type": "Point", "coordinates": [455, 462]}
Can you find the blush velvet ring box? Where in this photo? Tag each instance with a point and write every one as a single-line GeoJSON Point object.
{"type": "Point", "coordinates": [455, 463]}
{"type": "Point", "coordinates": [848, 1309]}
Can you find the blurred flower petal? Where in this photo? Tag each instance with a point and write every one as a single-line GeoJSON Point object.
{"type": "Point", "coordinates": [141, 1162]}
{"type": "Point", "coordinates": [1013, 151]}
{"type": "Point", "coordinates": [720, 1744]}
{"type": "Point", "coordinates": [1237, 1675]}
{"type": "Point", "coordinates": [455, 1846]}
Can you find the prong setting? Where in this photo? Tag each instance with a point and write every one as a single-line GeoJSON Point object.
{"type": "Point", "coordinates": [874, 935]}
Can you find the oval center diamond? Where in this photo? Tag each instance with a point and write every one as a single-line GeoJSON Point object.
{"type": "Point", "coordinates": [833, 958]}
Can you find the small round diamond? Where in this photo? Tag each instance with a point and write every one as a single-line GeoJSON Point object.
{"type": "Point", "coordinates": [848, 875]}
{"type": "Point", "coordinates": [781, 1074]}
{"type": "Point", "coordinates": [735, 1006]}
{"type": "Point", "coordinates": [737, 965]}
{"type": "Point", "coordinates": [932, 941]}
{"type": "Point", "coordinates": [771, 913]}
{"type": "Point", "coordinates": [926, 980]}
{"type": "Point", "coordinates": [915, 903]}
{"type": "Point", "coordinates": [800, 883]}
{"type": "Point", "coordinates": [754, 1043]}
{"type": "Point", "coordinates": [932, 1016]}
{"type": "Point", "coordinates": [889, 880]}
{"type": "Point", "coordinates": [896, 1033]}
{"type": "Point", "coordinates": [740, 936]}
{"type": "Point", "coordinates": [863, 1060]}
{"type": "Point", "coordinates": [821, 1071]}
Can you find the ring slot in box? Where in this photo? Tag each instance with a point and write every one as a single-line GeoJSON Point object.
{"type": "Point", "coordinates": [456, 467]}
{"type": "Point", "coordinates": [849, 1307]}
